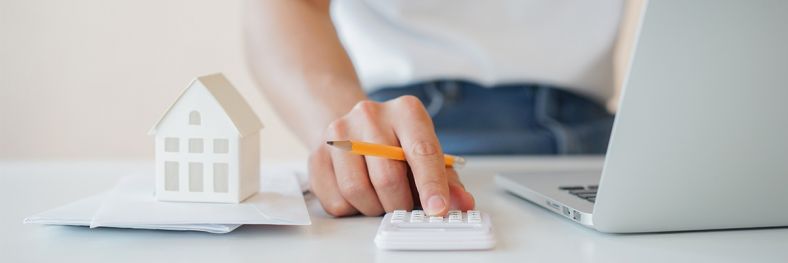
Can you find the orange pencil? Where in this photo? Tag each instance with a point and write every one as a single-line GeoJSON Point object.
{"type": "Point", "coordinates": [388, 152]}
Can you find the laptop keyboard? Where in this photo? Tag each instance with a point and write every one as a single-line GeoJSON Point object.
{"type": "Point", "coordinates": [584, 192]}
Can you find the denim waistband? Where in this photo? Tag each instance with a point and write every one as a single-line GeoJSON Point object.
{"type": "Point", "coordinates": [530, 114]}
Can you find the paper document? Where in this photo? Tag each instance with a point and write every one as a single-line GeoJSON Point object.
{"type": "Point", "coordinates": [81, 212]}
{"type": "Point", "coordinates": [132, 204]}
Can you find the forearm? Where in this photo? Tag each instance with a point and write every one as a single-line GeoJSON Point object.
{"type": "Point", "coordinates": [296, 57]}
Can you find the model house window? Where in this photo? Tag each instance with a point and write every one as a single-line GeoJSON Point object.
{"type": "Point", "coordinates": [194, 118]}
{"type": "Point", "coordinates": [171, 176]}
{"type": "Point", "coordinates": [220, 184]}
{"type": "Point", "coordinates": [171, 145]}
{"type": "Point", "coordinates": [220, 146]}
{"type": "Point", "coordinates": [195, 177]}
{"type": "Point", "coordinates": [195, 145]}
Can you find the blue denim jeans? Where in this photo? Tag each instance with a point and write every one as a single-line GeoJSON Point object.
{"type": "Point", "coordinates": [509, 119]}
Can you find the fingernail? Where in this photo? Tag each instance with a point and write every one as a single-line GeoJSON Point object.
{"type": "Point", "coordinates": [435, 205]}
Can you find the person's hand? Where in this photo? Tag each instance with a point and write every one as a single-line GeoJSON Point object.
{"type": "Point", "coordinates": [348, 184]}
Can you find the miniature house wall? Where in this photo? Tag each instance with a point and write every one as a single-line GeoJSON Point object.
{"type": "Point", "coordinates": [207, 145]}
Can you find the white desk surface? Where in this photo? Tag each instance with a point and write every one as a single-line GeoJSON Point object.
{"type": "Point", "coordinates": [525, 232]}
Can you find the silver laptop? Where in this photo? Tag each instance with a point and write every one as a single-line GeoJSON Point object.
{"type": "Point", "coordinates": [701, 137]}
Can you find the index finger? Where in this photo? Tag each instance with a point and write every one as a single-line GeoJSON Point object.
{"type": "Point", "coordinates": [416, 134]}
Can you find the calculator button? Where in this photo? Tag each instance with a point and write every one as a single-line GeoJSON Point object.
{"type": "Point", "coordinates": [436, 219]}
{"type": "Point", "coordinates": [474, 217]}
{"type": "Point", "coordinates": [455, 216]}
{"type": "Point", "coordinates": [398, 216]}
{"type": "Point", "coordinates": [417, 213]}
{"type": "Point", "coordinates": [417, 216]}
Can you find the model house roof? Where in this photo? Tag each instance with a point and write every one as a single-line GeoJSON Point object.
{"type": "Point", "coordinates": [233, 104]}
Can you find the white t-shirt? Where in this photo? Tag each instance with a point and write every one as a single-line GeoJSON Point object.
{"type": "Point", "coordinates": [568, 43]}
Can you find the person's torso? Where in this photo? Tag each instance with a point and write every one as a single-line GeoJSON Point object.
{"type": "Point", "coordinates": [567, 43]}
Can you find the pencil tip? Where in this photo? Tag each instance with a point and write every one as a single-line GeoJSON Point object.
{"type": "Point", "coordinates": [344, 145]}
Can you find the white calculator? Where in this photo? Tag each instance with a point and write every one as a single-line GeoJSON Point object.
{"type": "Point", "coordinates": [402, 230]}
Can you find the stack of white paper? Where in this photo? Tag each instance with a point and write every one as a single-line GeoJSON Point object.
{"type": "Point", "coordinates": [131, 204]}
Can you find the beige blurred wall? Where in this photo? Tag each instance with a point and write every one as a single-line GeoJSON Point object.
{"type": "Point", "coordinates": [86, 79]}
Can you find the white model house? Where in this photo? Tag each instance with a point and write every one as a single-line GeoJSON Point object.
{"type": "Point", "coordinates": [207, 145]}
